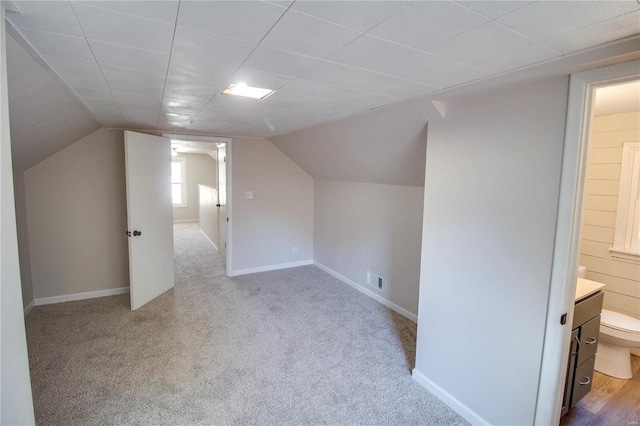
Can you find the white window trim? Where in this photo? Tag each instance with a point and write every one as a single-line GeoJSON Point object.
{"type": "Point", "coordinates": [183, 170]}
{"type": "Point", "coordinates": [622, 246]}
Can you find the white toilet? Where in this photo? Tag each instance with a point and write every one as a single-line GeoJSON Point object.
{"type": "Point", "coordinates": [619, 333]}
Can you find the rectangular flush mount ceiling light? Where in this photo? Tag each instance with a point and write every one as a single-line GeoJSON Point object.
{"type": "Point", "coordinates": [241, 89]}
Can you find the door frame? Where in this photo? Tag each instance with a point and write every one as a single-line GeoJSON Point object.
{"type": "Point", "coordinates": [229, 143]}
{"type": "Point", "coordinates": [567, 242]}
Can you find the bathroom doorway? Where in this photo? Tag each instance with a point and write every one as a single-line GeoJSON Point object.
{"type": "Point", "coordinates": [567, 244]}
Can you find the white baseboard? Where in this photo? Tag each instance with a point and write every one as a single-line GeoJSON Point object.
{"type": "Point", "coordinates": [209, 239]}
{"type": "Point", "coordinates": [186, 221]}
{"type": "Point", "coordinates": [29, 307]}
{"type": "Point", "coordinates": [81, 296]}
{"type": "Point", "coordinates": [460, 408]}
{"type": "Point", "coordinates": [386, 302]}
{"type": "Point", "coordinates": [271, 268]}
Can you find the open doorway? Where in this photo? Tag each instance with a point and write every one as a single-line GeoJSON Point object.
{"type": "Point", "coordinates": [609, 256]}
{"type": "Point", "coordinates": [568, 232]}
{"type": "Point", "coordinates": [201, 178]}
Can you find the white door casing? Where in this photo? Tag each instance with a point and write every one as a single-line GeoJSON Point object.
{"type": "Point", "coordinates": [149, 216]}
{"type": "Point", "coordinates": [222, 199]}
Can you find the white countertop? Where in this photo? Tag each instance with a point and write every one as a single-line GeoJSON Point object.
{"type": "Point", "coordinates": [586, 288]}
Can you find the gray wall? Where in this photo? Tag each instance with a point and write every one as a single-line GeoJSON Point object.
{"type": "Point", "coordinates": [44, 118]}
{"type": "Point", "coordinates": [16, 405]}
{"type": "Point", "coordinates": [493, 176]}
{"type": "Point", "coordinates": [23, 238]}
{"type": "Point", "coordinates": [369, 178]}
{"type": "Point", "coordinates": [76, 214]}
{"type": "Point", "coordinates": [366, 226]}
{"type": "Point", "coordinates": [201, 169]}
{"type": "Point", "coordinates": [384, 146]}
{"type": "Point", "coordinates": [280, 216]}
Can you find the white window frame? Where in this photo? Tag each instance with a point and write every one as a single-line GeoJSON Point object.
{"type": "Point", "coordinates": [625, 240]}
{"type": "Point", "coordinates": [183, 182]}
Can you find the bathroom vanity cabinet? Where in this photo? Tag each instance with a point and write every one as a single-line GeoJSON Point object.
{"type": "Point", "coordinates": [582, 354]}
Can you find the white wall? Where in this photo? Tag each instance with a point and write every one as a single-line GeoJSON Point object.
{"type": "Point", "coordinates": [622, 277]}
{"type": "Point", "coordinates": [493, 175]}
{"type": "Point", "coordinates": [76, 215]}
{"type": "Point", "coordinates": [201, 169]}
{"type": "Point", "coordinates": [16, 406]}
{"type": "Point", "coordinates": [280, 217]}
{"type": "Point", "coordinates": [365, 226]}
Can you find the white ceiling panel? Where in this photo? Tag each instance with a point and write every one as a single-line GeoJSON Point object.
{"type": "Point", "coordinates": [188, 76]}
{"type": "Point", "coordinates": [480, 43]}
{"type": "Point", "coordinates": [493, 9]}
{"type": "Point", "coordinates": [141, 99]}
{"type": "Point", "coordinates": [245, 20]}
{"type": "Point", "coordinates": [540, 20]}
{"type": "Point", "coordinates": [63, 46]}
{"type": "Point", "coordinates": [395, 87]}
{"type": "Point", "coordinates": [301, 91]}
{"type": "Point", "coordinates": [96, 92]}
{"type": "Point", "coordinates": [105, 109]}
{"type": "Point", "coordinates": [50, 16]}
{"type": "Point", "coordinates": [129, 57]}
{"type": "Point", "coordinates": [195, 96]}
{"type": "Point", "coordinates": [431, 70]}
{"type": "Point", "coordinates": [280, 62]}
{"type": "Point", "coordinates": [357, 97]}
{"type": "Point", "coordinates": [120, 28]}
{"type": "Point", "coordinates": [357, 15]}
{"type": "Point", "coordinates": [87, 82]}
{"type": "Point", "coordinates": [163, 64]}
{"type": "Point", "coordinates": [518, 58]}
{"type": "Point", "coordinates": [602, 32]}
{"type": "Point", "coordinates": [198, 46]}
{"type": "Point", "coordinates": [259, 79]}
{"type": "Point", "coordinates": [165, 10]}
{"type": "Point", "coordinates": [425, 24]}
{"type": "Point", "coordinates": [137, 78]}
{"type": "Point", "coordinates": [72, 66]}
{"type": "Point", "coordinates": [300, 33]}
{"type": "Point", "coordinates": [358, 53]}
{"type": "Point", "coordinates": [340, 75]}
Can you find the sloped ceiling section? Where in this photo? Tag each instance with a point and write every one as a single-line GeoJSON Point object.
{"type": "Point", "coordinates": [44, 117]}
{"type": "Point", "coordinates": [386, 146]}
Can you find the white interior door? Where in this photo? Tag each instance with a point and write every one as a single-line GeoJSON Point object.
{"type": "Point", "coordinates": [222, 200]}
{"type": "Point", "coordinates": [149, 215]}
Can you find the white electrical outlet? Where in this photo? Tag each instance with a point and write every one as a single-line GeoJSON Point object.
{"type": "Point", "coordinates": [294, 250]}
{"type": "Point", "coordinates": [368, 277]}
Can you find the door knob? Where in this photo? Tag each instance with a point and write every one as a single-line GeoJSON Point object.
{"type": "Point", "coordinates": [136, 233]}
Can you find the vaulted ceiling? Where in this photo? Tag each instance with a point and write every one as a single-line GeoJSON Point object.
{"type": "Point", "coordinates": [161, 65]}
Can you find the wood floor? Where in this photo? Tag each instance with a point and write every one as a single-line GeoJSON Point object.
{"type": "Point", "coordinates": [611, 401]}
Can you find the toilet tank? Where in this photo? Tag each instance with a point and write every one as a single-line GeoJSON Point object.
{"type": "Point", "coordinates": [581, 271]}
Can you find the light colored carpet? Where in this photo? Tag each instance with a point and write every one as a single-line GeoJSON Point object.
{"type": "Point", "coordinates": [289, 347]}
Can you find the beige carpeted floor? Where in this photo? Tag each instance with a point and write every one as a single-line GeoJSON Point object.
{"type": "Point", "coordinates": [288, 347]}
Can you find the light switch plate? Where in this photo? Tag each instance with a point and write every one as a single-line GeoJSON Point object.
{"type": "Point", "coordinates": [248, 195]}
